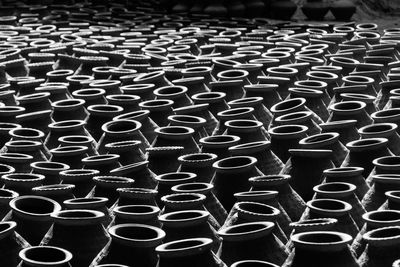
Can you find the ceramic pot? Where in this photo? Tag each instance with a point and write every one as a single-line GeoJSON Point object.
{"type": "Point", "coordinates": [143, 176]}
{"type": "Point", "coordinates": [218, 144]}
{"type": "Point", "coordinates": [32, 215]}
{"type": "Point", "coordinates": [137, 196]}
{"type": "Point", "coordinates": [198, 163]}
{"type": "Point", "coordinates": [381, 183]}
{"type": "Point", "coordinates": [352, 175]}
{"type": "Point", "coordinates": [11, 243]}
{"type": "Point", "coordinates": [176, 136]}
{"type": "Point", "coordinates": [164, 159]}
{"type": "Point", "coordinates": [75, 230]}
{"type": "Point", "coordinates": [81, 178]}
{"type": "Point", "coordinates": [106, 186]}
{"type": "Point", "coordinates": [142, 214]}
{"type": "Point", "coordinates": [240, 243]}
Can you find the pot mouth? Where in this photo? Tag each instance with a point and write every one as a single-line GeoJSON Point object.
{"type": "Point", "coordinates": [85, 202]}
{"type": "Point", "coordinates": [392, 113]}
{"type": "Point", "coordinates": [23, 177]}
{"type": "Point", "coordinates": [360, 97]}
{"type": "Point", "coordinates": [366, 144]}
{"type": "Point", "coordinates": [287, 131]}
{"type": "Point", "coordinates": [255, 195]}
{"type": "Point", "coordinates": [385, 236]}
{"type": "Point", "coordinates": [286, 106]}
{"type": "Point", "coordinates": [386, 178]}
{"type": "Point", "coordinates": [347, 106]}
{"type": "Point", "coordinates": [254, 209]}
{"type": "Point", "coordinates": [34, 206]}
{"type": "Point", "coordinates": [180, 198]}
{"type": "Point", "coordinates": [113, 180]}
{"type": "Point", "coordinates": [321, 240]}
{"type": "Point", "coordinates": [320, 139]}
{"type": "Point", "coordinates": [68, 124]}
{"type": "Point", "coordinates": [235, 113]}
{"type": "Point", "coordinates": [170, 91]}
{"type": "Point", "coordinates": [381, 217]}
{"type": "Point", "coordinates": [121, 126]}
{"type": "Point", "coordinates": [357, 79]}
{"type": "Point", "coordinates": [270, 179]}
{"type": "Point", "coordinates": [334, 188]}
{"type": "Point", "coordinates": [321, 222]}
{"type": "Point", "coordinates": [247, 148]}
{"type": "Point", "coordinates": [78, 173]}
{"type": "Point", "coordinates": [393, 195]}
{"type": "Point", "coordinates": [110, 110]}
{"type": "Point", "coordinates": [322, 75]}
{"type": "Point", "coordinates": [141, 210]}
{"type": "Point", "coordinates": [69, 150]}
{"type": "Point", "coordinates": [337, 124]}
{"type": "Point", "coordinates": [137, 191]}
{"type": "Point", "coordinates": [197, 157]}
{"type": "Point", "coordinates": [151, 76]}
{"type": "Point", "coordinates": [225, 140]}
{"type": "Point", "coordinates": [293, 117]}
{"type": "Point", "coordinates": [176, 177]}
{"type": "Point", "coordinates": [378, 129]}
{"type": "Point", "coordinates": [331, 206]}
{"type": "Point", "coordinates": [253, 263]}
{"type": "Point", "coordinates": [184, 217]}
{"type": "Point", "coordinates": [49, 166]}
{"type": "Point", "coordinates": [45, 256]}
{"type": "Point", "coordinates": [134, 115]}
{"type": "Point", "coordinates": [388, 162]}
{"type": "Point", "coordinates": [157, 104]}
{"type": "Point", "coordinates": [243, 124]}
{"type": "Point", "coordinates": [208, 96]}
{"type": "Point", "coordinates": [232, 74]}
{"type": "Point", "coordinates": [311, 84]}
{"type": "Point", "coordinates": [53, 188]}
{"type": "Point", "coordinates": [7, 194]}
{"type": "Point", "coordinates": [76, 140]}
{"type": "Point", "coordinates": [123, 99]}
{"type": "Point", "coordinates": [187, 119]}
{"type": "Point", "coordinates": [192, 188]}
{"type": "Point", "coordinates": [26, 133]}
{"type": "Point", "coordinates": [137, 87]}
{"type": "Point", "coordinates": [246, 231]}
{"type": "Point", "coordinates": [246, 101]}
{"type": "Point", "coordinates": [66, 104]}
{"type": "Point", "coordinates": [174, 131]}
{"type": "Point", "coordinates": [344, 61]}
{"type": "Point", "coordinates": [137, 235]}
{"type": "Point", "coordinates": [78, 217]}
{"type": "Point", "coordinates": [234, 163]}
{"type": "Point", "coordinates": [184, 247]}
{"type": "Point", "coordinates": [305, 92]}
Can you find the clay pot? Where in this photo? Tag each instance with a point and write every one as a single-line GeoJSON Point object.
{"type": "Point", "coordinates": [135, 240]}
{"type": "Point", "coordinates": [240, 243]}
{"type": "Point", "coordinates": [198, 163]}
{"type": "Point", "coordinates": [326, 248]}
{"type": "Point", "coordinates": [352, 175]}
{"type": "Point", "coordinates": [106, 186]}
{"type": "Point", "coordinates": [218, 144]}
{"type": "Point", "coordinates": [137, 196]}
{"type": "Point", "coordinates": [81, 178]}
{"type": "Point", "coordinates": [343, 10]}
{"type": "Point", "coordinates": [375, 196]}
{"type": "Point", "coordinates": [176, 136]}
{"type": "Point", "coordinates": [75, 230]}
{"type": "Point", "coordinates": [32, 215]}
{"type": "Point", "coordinates": [164, 158]}
{"type": "Point", "coordinates": [11, 243]}
{"type": "Point", "coordinates": [315, 9]}
{"type": "Point", "coordinates": [142, 214]}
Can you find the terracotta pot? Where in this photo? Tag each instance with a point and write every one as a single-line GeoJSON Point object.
{"type": "Point", "coordinates": [106, 186]}
{"type": "Point", "coordinates": [142, 214]}
{"type": "Point", "coordinates": [81, 178]}
{"type": "Point", "coordinates": [164, 159]}
{"type": "Point", "coordinates": [11, 243]}
{"type": "Point", "coordinates": [51, 171]}
{"type": "Point", "coordinates": [383, 130]}
{"type": "Point", "coordinates": [375, 196]}
{"type": "Point", "coordinates": [137, 196]}
{"type": "Point", "coordinates": [352, 175]}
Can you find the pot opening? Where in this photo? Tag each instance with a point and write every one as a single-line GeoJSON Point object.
{"type": "Point", "coordinates": [384, 216]}
{"type": "Point", "coordinates": [257, 208]}
{"type": "Point", "coordinates": [35, 206]}
{"type": "Point", "coordinates": [234, 162]}
{"type": "Point", "coordinates": [45, 254]}
{"type": "Point", "coordinates": [321, 238]}
{"type": "Point", "coordinates": [136, 232]}
{"type": "Point", "coordinates": [385, 232]}
{"type": "Point", "coordinates": [328, 205]}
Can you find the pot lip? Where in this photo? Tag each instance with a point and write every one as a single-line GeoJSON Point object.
{"type": "Point", "coordinates": [319, 189]}
{"type": "Point", "coordinates": [134, 115]}
{"type": "Point", "coordinates": [116, 180]}
{"type": "Point", "coordinates": [11, 227]}
{"type": "Point", "coordinates": [246, 213]}
{"type": "Point", "coordinates": [175, 118]}
{"type": "Point", "coordinates": [210, 157]}
{"type": "Point", "coordinates": [186, 110]}
{"type": "Point", "coordinates": [275, 108]}
{"type": "Point", "coordinates": [96, 159]}
{"type": "Point", "coordinates": [233, 140]}
{"type": "Point", "coordinates": [264, 228]}
{"type": "Point", "coordinates": [382, 241]}
{"type": "Point", "coordinates": [361, 106]}
{"type": "Point", "coordinates": [251, 147]}
{"type": "Point", "coordinates": [294, 117]}
{"type": "Point", "coordinates": [231, 124]}
{"type": "Point", "coordinates": [198, 216]}
{"type": "Point", "coordinates": [46, 170]}
{"type": "Point", "coordinates": [250, 196]}
{"type": "Point", "coordinates": [356, 147]}
{"type": "Point", "coordinates": [257, 87]}
{"type": "Point", "coordinates": [270, 179]}
{"type": "Point", "coordinates": [259, 263]}
{"type": "Point", "coordinates": [163, 104]}
{"type": "Point", "coordinates": [313, 222]}
{"type": "Point", "coordinates": [125, 169]}
{"type": "Point", "coordinates": [9, 177]}
{"type": "Point", "coordinates": [93, 109]}
{"type": "Point", "coordinates": [378, 162]}
{"type": "Point", "coordinates": [376, 115]}
{"type": "Point", "coordinates": [89, 202]}
{"type": "Point", "coordinates": [136, 126]}
{"type": "Point", "coordinates": [392, 128]}
{"type": "Point", "coordinates": [330, 138]}
{"type": "Point", "coordinates": [161, 131]}
{"type": "Point", "coordinates": [251, 162]}
{"type": "Point", "coordinates": [343, 171]}
{"type": "Point", "coordinates": [226, 114]}
{"type": "Point", "coordinates": [44, 216]}
{"type": "Point", "coordinates": [75, 103]}
{"type": "Point", "coordinates": [189, 177]}
{"type": "Point", "coordinates": [346, 206]}
{"type": "Point", "coordinates": [164, 250]}
{"type": "Point", "coordinates": [12, 193]}
{"type": "Point", "coordinates": [207, 187]}
{"type": "Point", "coordinates": [183, 90]}
{"type": "Point", "coordinates": [386, 178]}
{"type": "Point", "coordinates": [123, 144]}
{"type": "Point", "coordinates": [393, 195]}
{"type": "Point", "coordinates": [60, 125]}
{"type": "Point", "coordinates": [153, 211]}
{"type": "Point", "coordinates": [302, 129]}
{"type": "Point", "coordinates": [54, 188]}
{"type": "Point", "coordinates": [216, 96]}
{"type": "Point", "coordinates": [95, 218]}
{"type": "Point", "coordinates": [78, 173]}
{"type": "Point", "coordinates": [142, 191]}
{"type": "Point", "coordinates": [380, 223]}
{"type": "Point", "coordinates": [14, 132]}
{"type": "Point", "coordinates": [197, 198]}
{"type": "Point", "coordinates": [72, 150]}
{"type": "Point", "coordinates": [151, 242]}
{"type": "Point", "coordinates": [331, 124]}
{"type": "Point", "coordinates": [326, 246]}
{"type": "Point", "coordinates": [24, 258]}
